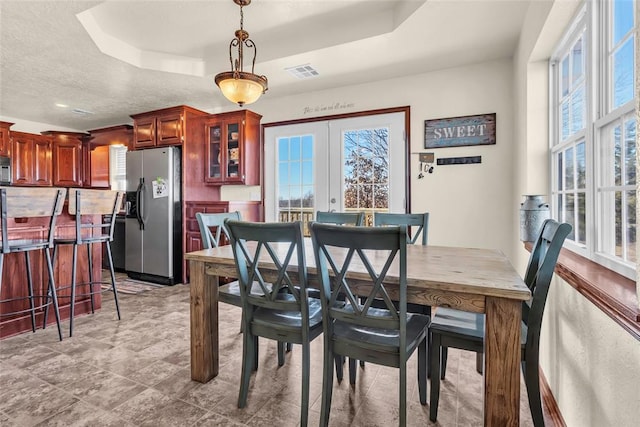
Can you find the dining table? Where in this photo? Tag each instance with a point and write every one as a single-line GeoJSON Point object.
{"type": "Point", "coordinates": [471, 279]}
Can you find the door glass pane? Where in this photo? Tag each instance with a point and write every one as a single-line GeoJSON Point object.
{"type": "Point", "coordinates": [366, 170]}
{"type": "Point", "coordinates": [233, 150]}
{"type": "Point", "coordinates": [214, 151]}
{"type": "Point", "coordinates": [296, 190]}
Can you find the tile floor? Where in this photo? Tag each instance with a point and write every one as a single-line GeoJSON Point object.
{"type": "Point", "coordinates": [135, 372]}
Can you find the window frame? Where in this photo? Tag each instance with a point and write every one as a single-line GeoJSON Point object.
{"type": "Point", "coordinates": [594, 19]}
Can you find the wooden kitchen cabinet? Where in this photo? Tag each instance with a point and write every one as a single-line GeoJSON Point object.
{"type": "Point", "coordinates": [232, 148]}
{"type": "Point", "coordinates": [67, 158]}
{"type": "Point", "coordinates": [161, 128]}
{"type": "Point", "coordinates": [31, 159]}
{"type": "Point", "coordinates": [5, 141]}
{"type": "Point", "coordinates": [249, 211]}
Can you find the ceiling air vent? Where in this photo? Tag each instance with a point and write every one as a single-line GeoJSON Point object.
{"type": "Point", "coordinates": [80, 112]}
{"type": "Point", "coordinates": [305, 71]}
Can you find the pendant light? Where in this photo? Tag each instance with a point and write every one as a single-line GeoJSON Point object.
{"type": "Point", "coordinates": [239, 86]}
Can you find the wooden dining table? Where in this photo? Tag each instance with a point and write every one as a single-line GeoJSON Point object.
{"type": "Point", "coordinates": [471, 279]}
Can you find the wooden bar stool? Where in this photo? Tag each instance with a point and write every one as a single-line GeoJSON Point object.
{"type": "Point", "coordinates": [22, 202]}
{"type": "Point", "coordinates": [86, 205]}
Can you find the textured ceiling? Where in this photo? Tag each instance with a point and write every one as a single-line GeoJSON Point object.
{"type": "Point", "coordinates": [48, 57]}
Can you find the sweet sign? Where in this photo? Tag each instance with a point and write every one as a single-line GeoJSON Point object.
{"type": "Point", "coordinates": [460, 131]}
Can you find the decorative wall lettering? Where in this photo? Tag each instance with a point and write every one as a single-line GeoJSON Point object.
{"type": "Point", "coordinates": [460, 131]}
{"type": "Point", "coordinates": [323, 108]}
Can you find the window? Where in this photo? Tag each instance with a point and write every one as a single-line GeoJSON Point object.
{"type": "Point", "coordinates": [593, 143]}
{"type": "Point", "coordinates": [118, 167]}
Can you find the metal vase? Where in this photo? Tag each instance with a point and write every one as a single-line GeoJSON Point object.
{"type": "Point", "coordinates": [533, 212]}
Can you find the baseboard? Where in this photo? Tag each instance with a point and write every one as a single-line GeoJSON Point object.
{"type": "Point", "coordinates": [551, 409]}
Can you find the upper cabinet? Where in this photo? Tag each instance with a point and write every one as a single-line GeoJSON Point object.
{"type": "Point", "coordinates": [31, 159]}
{"type": "Point", "coordinates": [98, 169]}
{"type": "Point", "coordinates": [5, 142]}
{"type": "Point", "coordinates": [67, 158]}
{"type": "Point", "coordinates": [232, 153]}
{"type": "Point", "coordinates": [161, 127]}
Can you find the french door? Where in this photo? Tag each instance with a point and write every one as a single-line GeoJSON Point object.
{"type": "Point", "coordinates": [353, 164]}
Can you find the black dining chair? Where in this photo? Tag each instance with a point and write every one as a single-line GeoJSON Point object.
{"type": "Point", "coordinates": [420, 224]}
{"type": "Point", "coordinates": [212, 232]}
{"type": "Point", "coordinates": [340, 218]}
{"type": "Point", "coordinates": [464, 330]}
{"type": "Point", "coordinates": [281, 311]}
{"type": "Point", "coordinates": [352, 327]}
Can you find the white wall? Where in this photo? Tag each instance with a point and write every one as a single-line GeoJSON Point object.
{"type": "Point", "coordinates": [591, 363]}
{"type": "Point", "coordinates": [21, 125]}
{"type": "Point", "coordinates": [470, 205]}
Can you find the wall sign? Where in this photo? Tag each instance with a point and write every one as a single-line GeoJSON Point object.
{"type": "Point", "coordinates": [460, 131]}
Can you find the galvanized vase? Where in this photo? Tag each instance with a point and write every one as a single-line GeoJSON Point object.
{"type": "Point", "coordinates": [533, 212]}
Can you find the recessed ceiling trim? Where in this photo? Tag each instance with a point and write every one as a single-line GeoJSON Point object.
{"type": "Point", "coordinates": [118, 49]}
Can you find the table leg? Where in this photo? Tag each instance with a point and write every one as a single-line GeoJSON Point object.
{"type": "Point", "coordinates": [204, 323]}
{"type": "Point", "coordinates": [502, 362]}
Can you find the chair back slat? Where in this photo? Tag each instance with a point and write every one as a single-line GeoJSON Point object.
{"type": "Point", "coordinates": [340, 218]}
{"type": "Point", "coordinates": [346, 249]}
{"type": "Point", "coordinates": [206, 221]}
{"type": "Point", "coordinates": [24, 202]}
{"type": "Point", "coordinates": [421, 221]}
{"type": "Point", "coordinates": [94, 202]}
{"type": "Point", "coordinates": [256, 245]}
{"type": "Point", "coordinates": [28, 202]}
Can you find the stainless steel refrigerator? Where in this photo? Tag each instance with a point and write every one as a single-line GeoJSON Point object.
{"type": "Point", "coordinates": [153, 225]}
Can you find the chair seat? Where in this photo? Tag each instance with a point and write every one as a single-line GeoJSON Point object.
{"type": "Point", "coordinates": [289, 320]}
{"type": "Point", "coordinates": [464, 324]}
{"type": "Point", "coordinates": [230, 292]}
{"type": "Point", "coordinates": [379, 339]}
{"type": "Point", "coordinates": [21, 245]}
{"type": "Point", "coordinates": [85, 240]}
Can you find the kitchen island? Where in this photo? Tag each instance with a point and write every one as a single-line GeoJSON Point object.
{"type": "Point", "coordinates": [14, 280]}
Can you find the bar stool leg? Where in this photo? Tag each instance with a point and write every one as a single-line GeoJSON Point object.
{"type": "Point", "coordinates": [1, 270]}
{"type": "Point", "coordinates": [90, 276]}
{"type": "Point", "coordinates": [113, 277]}
{"type": "Point", "coordinates": [32, 312]}
{"type": "Point", "coordinates": [46, 307]}
{"type": "Point", "coordinates": [73, 288]}
{"type": "Point", "coordinates": [52, 289]}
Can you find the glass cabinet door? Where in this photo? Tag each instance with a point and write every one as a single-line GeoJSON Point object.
{"type": "Point", "coordinates": [215, 152]}
{"type": "Point", "coordinates": [233, 151]}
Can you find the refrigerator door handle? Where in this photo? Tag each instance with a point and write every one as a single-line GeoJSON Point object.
{"type": "Point", "coordinates": [139, 203]}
